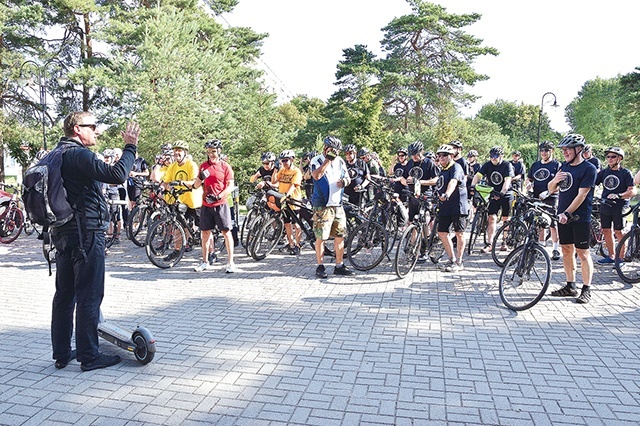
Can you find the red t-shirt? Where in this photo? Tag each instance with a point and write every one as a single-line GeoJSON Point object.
{"type": "Point", "coordinates": [215, 180]}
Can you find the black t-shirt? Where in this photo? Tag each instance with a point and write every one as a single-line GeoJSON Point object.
{"type": "Point", "coordinates": [596, 162]}
{"type": "Point", "coordinates": [464, 164]}
{"type": "Point", "coordinates": [357, 170]}
{"type": "Point", "coordinates": [614, 182]}
{"type": "Point", "coordinates": [581, 176]}
{"type": "Point", "coordinates": [398, 187]}
{"type": "Point", "coordinates": [541, 174]}
{"type": "Point", "coordinates": [457, 203]}
{"type": "Point", "coordinates": [267, 174]}
{"type": "Point", "coordinates": [496, 174]}
{"type": "Point", "coordinates": [429, 170]}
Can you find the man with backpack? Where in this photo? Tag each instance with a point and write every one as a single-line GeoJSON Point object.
{"type": "Point", "coordinates": [80, 242]}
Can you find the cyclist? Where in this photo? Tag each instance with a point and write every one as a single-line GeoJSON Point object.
{"type": "Point", "coordinates": [137, 175]}
{"type": "Point", "coordinates": [499, 174]}
{"type": "Point", "coordinates": [575, 181]}
{"type": "Point", "coordinates": [359, 174]}
{"type": "Point", "coordinates": [540, 174]}
{"type": "Point", "coordinates": [458, 158]}
{"type": "Point", "coordinates": [289, 180]}
{"type": "Point", "coordinates": [307, 180]}
{"type": "Point", "coordinates": [587, 154]}
{"type": "Point", "coordinates": [216, 178]}
{"type": "Point", "coordinates": [618, 187]}
{"type": "Point", "coordinates": [266, 171]}
{"type": "Point", "coordinates": [374, 167]}
{"type": "Point", "coordinates": [185, 171]}
{"type": "Point", "coordinates": [429, 174]}
{"type": "Point", "coordinates": [163, 161]}
{"type": "Point", "coordinates": [402, 159]}
{"type": "Point", "coordinates": [454, 208]}
{"type": "Point", "coordinates": [519, 170]}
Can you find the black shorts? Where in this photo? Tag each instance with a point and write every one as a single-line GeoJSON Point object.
{"type": "Point", "coordinates": [219, 216]}
{"type": "Point", "coordinates": [287, 216]}
{"type": "Point", "coordinates": [615, 219]}
{"type": "Point", "coordinates": [133, 192]}
{"type": "Point", "coordinates": [503, 204]}
{"type": "Point", "coordinates": [576, 233]}
{"type": "Point", "coordinates": [445, 222]}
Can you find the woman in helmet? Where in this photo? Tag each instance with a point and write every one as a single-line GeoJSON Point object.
{"type": "Point", "coordinates": [266, 171]}
{"type": "Point", "coordinates": [289, 181]}
{"type": "Point", "coordinates": [575, 182]}
{"type": "Point", "coordinates": [499, 174]}
{"type": "Point", "coordinates": [540, 174]}
{"type": "Point", "coordinates": [618, 187]}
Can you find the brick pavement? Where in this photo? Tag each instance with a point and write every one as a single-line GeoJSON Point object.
{"type": "Point", "coordinates": [273, 345]}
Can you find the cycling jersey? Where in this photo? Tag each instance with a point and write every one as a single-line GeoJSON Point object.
{"type": "Point", "coordinates": [326, 192]}
{"type": "Point", "coordinates": [541, 174]}
{"type": "Point", "coordinates": [614, 182]}
{"type": "Point", "coordinates": [579, 176]}
{"type": "Point", "coordinates": [457, 204]}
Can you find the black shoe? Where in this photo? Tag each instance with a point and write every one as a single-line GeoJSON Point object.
{"type": "Point", "coordinates": [585, 295]}
{"type": "Point", "coordinates": [566, 291]}
{"type": "Point", "coordinates": [342, 270]}
{"type": "Point", "coordinates": [188, 249]}
{"type": "Point", "coordinates": [171, 256]}
{"type": "Point", "coordinates": [555, 255]}
{"type": "Point", "coordinates": [320, 272]}
{"type": "Point", "coordinates": [62, 364]}
{"type": "Point", "coordinates": [212, 258]}
{"type": "Point", "coordinates": [103, 361]}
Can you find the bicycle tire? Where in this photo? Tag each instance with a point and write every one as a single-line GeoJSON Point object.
{"type": "Point", "coordinates": [476, 228]}
{"type": "Point", "coordinates": [435, 249]}
{"type": "Point", "coordinates": [11, 225]}
{"type": "Point", "coordinates": [367, 246]}
{"type": "Point", "coordinates": [525, 277]}
{"type": "Point", "coordinates": [627, 264]}
{"type": "Point", "coordinates": [516, 232]}
{"type": "Point", "coordinates": [267, 238]}
{"type": "Point", "coordinates": [138, 225]}
{"type": "Point", "coordinates": [408, 251]}
{"type": "Point", "coordinates": [246, 224]}
{"type": "Point", "coordinates": [160, 245]}
{"type": "Point", "coordinates": [253, 229]}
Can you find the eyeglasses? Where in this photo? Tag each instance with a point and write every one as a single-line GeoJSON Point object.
{"type": "Point", "coordinates": [285, 160]}
{"type": "Point", "coordinates": [494, 156]}
{"type": "Point", "coordinates": [443, 155]}
{"type": "Point", "coordinates": [402, 155]}
{"type": "Point", "coordinates": [545, 150]}
{"type": "Point", "coordinates": [91, 126]}
{"type": "Point", "coordinates": [266, 163]}
{"type": "Point", "coordinates": [612, 156]}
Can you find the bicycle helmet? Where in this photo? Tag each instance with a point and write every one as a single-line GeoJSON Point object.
{"type": "Point", "coordinates": [108, 153]}
{"type": "Point", "coordinates": [268, 156]}
{"type": "Point", "coordinates": [402, 150]}
{"type": "Point", "coordinates": [333, 142]}
{"type": "Point", "coordinates": [496, 151]}
{"type": "Point", "coordinates": [350, 148]}
{"type": "Point", "coordinates": [472, 153]}
{"type": "Point", "coordinates": [213, 143]}
{"type": "Point", "coordinates": [516, 152]}
{"type": "Point", "coordinates": [587, 148]}
{"type": "Point", "coordinates": [415, 148]}
{"type": "Point", "coordinates": [615, 150]}
{"type": "Point", "coordinates": [309, 155]}
{"type": "Point", "coordinates": [430, 155]}
{"type": "Point", "coordinates": [363, 151]}
{"type": "Point", "coordinates": [456, 144]}
{"type": "Point", "coordinates": [165, 147]}
{"type": "Point", "coordinates": [546, 145]}
{"type": "Point", "coordinates": [287, 153]}
{"type": "Point", "coordinates": [572, 140]}
{"type": "Point", "coordinates": [446, 149]}
{"type": "Point", "coordinates": [180, 145]}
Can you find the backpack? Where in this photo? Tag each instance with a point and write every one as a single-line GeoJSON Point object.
{"type": "Point", "coordinates": [44, 197]}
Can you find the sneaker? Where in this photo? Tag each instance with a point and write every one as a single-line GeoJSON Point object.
{"type": "Point", "coordinates": [231, 268]}
{"type": "Point", "coordinates": [585, 295]}
{"type": "Point", "coordinates": [63, 363]}
{"type": "Point", "coordinates": [320, 272]}
{"type": "Point", "coordinates": [342, 270]}
{"type": "Point", "coordinates": [606, 260]}
{"type": "Point", "coordinates": [555, 255]}
{"type": "Point", "coordinates": [103, 361]}
{"type": "Point", "coordinates": [456, 267]}
{"type": "Point", "coordinates": [485, 250]}
{"type": "Point", "coordinates": [201, 267]}
{"type": "Point", "coordinates": [445, 264]}
{"type": "Point", "coordinates": [423, 258]}
{"type": "Point", "coordinates": [171, 256]}
{"type": "Point", "coordinates": [566, 291]}
{"type": "Point", "coordinates": [188, 248]}
{"type": "Point", "coordinates": [212, 258]}
{"type": "Point", "coordinates": [295, 250]}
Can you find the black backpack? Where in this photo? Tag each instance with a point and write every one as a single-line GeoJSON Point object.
{"type": "Point", "coordinates": [45, 198]}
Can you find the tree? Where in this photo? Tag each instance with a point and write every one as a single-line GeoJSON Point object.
{"type": "Point", "coordinates": [628, 105]}
{"type": "Point", "coordinates": [356, 72]}
{"type": "Point", "coordinates": [363, 126]}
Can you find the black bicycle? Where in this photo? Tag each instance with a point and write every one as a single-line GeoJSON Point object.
{"type": "Point", "coordinates": [627, 251]}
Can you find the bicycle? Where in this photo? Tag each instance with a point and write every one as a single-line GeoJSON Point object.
{"type": "Point", "coordinates": [627, 251]}
{"type": "Point", "coordinates": [11, 215]}
{"type": "Point", "coordinates": [144, 213]}
{"type": "Point", "coordinates": [526, 273]}
{"type": "Point", "coordinates": [113, 231]}
{"type": "Point", "coordinates": [481, 218]}
{"type": "Point", "coordinates": [511, 233]}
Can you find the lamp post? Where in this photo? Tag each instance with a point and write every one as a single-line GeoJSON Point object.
{"type": "Point", "coordinates": [555, 104]}
{"type": "Point", "coordinates": [41, 75]}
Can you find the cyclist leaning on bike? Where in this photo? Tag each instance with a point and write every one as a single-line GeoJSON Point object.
{"type": "Point", "coordinates": [397, 172]}
{"type": "Point", "coordinates": [428, 179]}
{"type": "Point", "coordinates": [266, 171]}
{"type": "Point", "coordinates": [499, 174]}
{"type": "Point", "coordinates": [289, 181]}
{"type": "Point", "coordinates": [358, 172]}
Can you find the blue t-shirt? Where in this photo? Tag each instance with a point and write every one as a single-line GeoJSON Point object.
{"type": "Point", "coordinates": [582, 175]}
{"type": "Point", "coordinates": [541, 174]}
{"type": "Point", "coordinates": [457, 203]}
{"type": "Point", "coordinates": [614, 182]}
{"type": "Point", "coordinates": [496, 174]}
{"type": "Point", "coordinates": [326, 192]}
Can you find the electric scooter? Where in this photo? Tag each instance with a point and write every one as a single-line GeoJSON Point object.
{"type": "Point", "coordinates": [141, 342]}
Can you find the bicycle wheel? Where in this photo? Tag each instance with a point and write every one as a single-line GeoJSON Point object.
{"type": "Point", "coordinates": [256, 224]}
{"type": "Point", "coordinates": [367, 245]}
{"type": "Point", "coordinates": [510, 235]}
{"type": "Point", "coordinates": [408, 251]}
{"type": "Point", "coordinates": [477, 226]}
{"type": "Point", "coordinates": [436, 248]}
{"type": "Point", "coordinates": [525, 277]}
{"type": "Point", "coordinates": [628, 257]}
{"type": "Point", "coordinates": [11, 225]}
{"type": "Point", "coordinates": [165, 243]}
{"type": "Point", "coordinates": [138, 225]}
{"type": "Point", "coordinates": [267, 238]}
{"type": "Point", "coordinates": [393, 225]}
{"type": "Point", "coordinates": [246, 225]}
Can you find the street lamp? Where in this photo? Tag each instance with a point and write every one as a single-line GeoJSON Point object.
{"type": "Point", "coordinates": [41, 75]}
{"type": "Point", "coordinates": [555, 104]}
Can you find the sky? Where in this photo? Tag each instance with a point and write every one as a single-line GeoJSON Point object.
{"type": "Point", "coordinates": [545, 45]}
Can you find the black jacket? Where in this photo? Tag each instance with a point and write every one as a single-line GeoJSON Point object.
{"type": "Point", "coordinates": [83, 173]}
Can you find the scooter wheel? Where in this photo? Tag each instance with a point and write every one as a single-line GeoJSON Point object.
{"type": "Point", "coordinates": [145, 349]}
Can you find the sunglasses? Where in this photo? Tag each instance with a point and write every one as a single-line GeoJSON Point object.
{"type": "Point", "coordinates": [91, 126]}
{"type": "Point", "coordinates": [443, 155]}
{"type": "Point", "coordinates": [267, 163]}
{"type": "Point", "coordinates": [494, 156]}
{"type": "Point", "coordinates": [285, 160]}
{"type": "Point", "coordinates": [612, 156]}
{"type": "Point", "coordinates": [402, 155]}
{"type": "Point", "coordinates": [545, 150]}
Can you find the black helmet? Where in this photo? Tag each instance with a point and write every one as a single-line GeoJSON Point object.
{"type": "Point", "coordinates": [213, 143]}
{"type": "Point", "coordinates": [571, 141]}
{"type": "Point", "coordinates": [333, 142]}
{"type": "Point", "coordinates": [350, 148]}
{"type": "Point", "coordinates": [415, 148]}
{"type": "Point", "coordinates": [363, 151]}
{"type": "Point", "coordinates": [615, 150]}
{"type": "Point", "coordinates": [496, 151]}
{"type": "Point", "coordinates": [268, 156]}
{"type": "Point", "coordinates": [309, 155]}
{"type": "Point", "coordinates": [456, 144]}
{"type": "Point", "coordinates": [546, 145]}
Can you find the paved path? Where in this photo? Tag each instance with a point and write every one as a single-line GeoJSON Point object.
{"type": "Point", "coordinates": [274, 345]}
